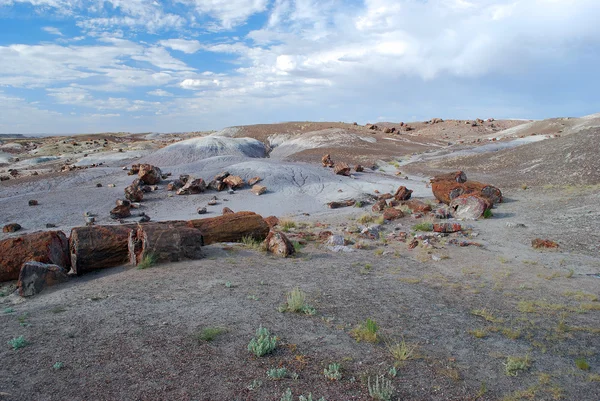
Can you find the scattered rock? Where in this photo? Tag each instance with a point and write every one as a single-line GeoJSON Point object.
{"type": "Point", "coordinates": [385, 196]}
{"type": "Point", "coordinates": [133, 192]}
{"type": "Point", "coordinates": [35, 276]}
{"type": "Point", "coordinates": [340, 248]}
{"type": "Point", "coordinates": [4, 178]}
{"type": "Point", "coordinates": [271, 221]}
{"type": "Point", "coordinates": [391, 213]}
{"type": "Point", "coordinates": [340, 204]}
{"type": "Point", "coordinates": [253, 181]}
{"type": "Point", "coordinates": [417, 206]}
{"type": "Point", "coordinates": [403, 193]}
{"type": "Point", "coordinates": [337, 240]}
{"type": "Point", "coordinates": [258, 189]}
{"type": "Point", "coordinates": [227, 210]}
{"type": "Point", "coordinates": [341, 169]}
{"type": "Point", "coordinates": [217, 185]}
{"type": "Point", "coordinates": [326, 161]}
{"type": "Point", "coordinates": [149, 175]}
{"type": "Point", "coordinates": [446, 227]}
{"type": "Point", "coordinates": [469, 206]}
{"type": "Point", "coordinates": [358, 168]}
{"type": "Point", "coordinates": [192, 186]}
{"type": "Point", "coordinates": [234, 182]}
{"type": "Point", "coordinates": [144, 219]}
{"type": "Point", "coordinates": [379, 206]}
{"type": "Point", "coordinates": [11, 228]}
{"type": "Point", "coordinates": [510, 224]}
{"type": "Point", "coordinates": [221, 176]}
{"type": "Point", "coordinates": [201, 210]}
{"type": "Point", "coordinates": [33, 202]}
{"type": "Point", "coordinates": [50, 225]}
{"type": "Point", "coordinates": [111, 185]}
{"type": "Point", "coordinates": [543, 243]}
{"type": "Point", "coordinates": [123, 202]}
{"type": "Point", "coordinates": [175, 185]}
{"type": "Point", "coordinates": [212, 202]}
{"type": "Point", "coordinates": [120, 212]}
{"type": "Point", "coordinates": [413, 244]}
{"type": "Point", "coordinates": [278, 244]}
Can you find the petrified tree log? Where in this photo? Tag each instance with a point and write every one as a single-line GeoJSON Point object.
{"type": "Point", "coordinates": [99, 247]}
{"type": "Point", "coordinates": [167, 241]}
{"type": "Point", "coordinates": [446, 190]}
{"type": "Point", "coordinates": [46, 247]}
{"type": "Point", "coordinates": [231, 227]}
{"type": "Point", "coordinates": [470, 206]}
{"type": "Point", "coordinates": [35, 276]}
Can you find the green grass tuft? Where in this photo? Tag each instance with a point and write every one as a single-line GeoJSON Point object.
{"type": "Point", "coordinates": [423, 227]}
{"type": "Point", "coordinates": [147, 261]}
{"type": "Point", "coordinates": [18, 342]}
{"type": "Point", "coordinates": [210, 333]}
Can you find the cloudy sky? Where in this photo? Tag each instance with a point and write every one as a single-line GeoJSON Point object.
{"type": "Point", "coordinates": [69, 66]}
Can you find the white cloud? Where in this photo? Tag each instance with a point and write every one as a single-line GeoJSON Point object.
{"type": "Point", "coordinates": [52, 30]}
{"type": "Point", "coordinates": [229, 12]}
{"type": "Point", "coordinates": [182, 45]}
{"type": "Point", "coordinates": [160, 93]}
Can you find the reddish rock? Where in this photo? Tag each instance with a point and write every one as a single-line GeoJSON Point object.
{"type": "Point", "coordinates": [258, 189]}
{"type": "Point", "coordinates": [358, 168]}
{"type": "Point", "coordinates": [385, 196]}
{"type": "Point", "coordinates": [192, 186]}
{"type": "Point", "coordinates": [340, 204]}
{"type": "Point", "coordinates": [341, 169]}
{"type": "Point", "coordinates": [133, 192]}
{"type": "Point", "coordinates": [231, 227]}
{"type": "Point", "coordinates": [379, 206]}
{"type": "Point", "coordinates": [11, 228]}
{"type": "Point", "coordinates": [149, 175]}
{"type": "Point", "coordinates": [99, 247]}
{"type": "Point", "coordinates": [543, 243]}
{"type": "Point", "coordinates": [46, 247]}
{"type": "Point", "coordinates": [486, 190]}
{"type": "Point", "coordinates": [227, 210]}
{"type": "Point", "coordinates": [33, 202]}
{"type": "Point", "coordinates": [221, 176]}
{"type": "Point", "coordinates": [166, 241]}
{"type": "Point", "coordinates": [446, 227]}
{"type": "Point", "coordinates": [135, 168]}
{"type": "Point", "coordinates": [253, 181]}
{"type": "Point", "coordinates": [326, 161]}
{"type": "Point", "coordinates": [35, 276]}
{"type": "Point", "coordinates": [120, 212]}
{"type": "Point", "coordinates": [392, 214]}
{"type": "Point", "coordinates": [174, 185]}
{"type": "Point", "coordinates": [271, 221]}
{"type": "Point", "coordinates": [456, 176]}
{"type": "Point", "coordinates": [403, 193]}
{"type": "Point", "coordinates": [469, 206]}
{"type": "Point", "coordinates": [387, 130]}
{"type": "Point", "coordinates": [446, 190]}
{"type": "Point", "coordinates": [278, 244]}
{"type": "Point", "coordinates": [413, 244]}
{"type": "Point", "coordinates": [234, 182]}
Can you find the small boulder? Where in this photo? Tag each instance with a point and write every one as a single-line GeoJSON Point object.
{"type": "Point", "coordinates": [358, 168]}
{"type": "Point", "coordinates": [446, 227]}
{"type": "Point", "coordinates": [217, 185]}
{"type": "Point", "coordinates": [258, 189]}
{"type": "Point", "coordinates": [149, 174]}
{"type": "Point", "coordinates": [227, 210]}
{"type": "Point", "coordinates": [278, 244]}
{"type": "Point", "coordinates": [379, 206]}
{"type": "Point", "coordinates": [144, 219]}
{"type": "Point", "coordinates": [341, 169]}
{"type": "Point", "coordinates": [35, 276]}
{"type": "Point", "coordinates": [33, 202]}
{"type": "Point", "coordinates": [212, 202]}
{"type": "Point", "coordinates": [192, 186]}
{"type": "Point", "coordinates": [271, 221]}
{"type": "Point", "coordinates": [469, 206]}
{"type": "Point", "coordinates": [120, 212]}
{"type": "Point", "coordinates": [133, 192]}
{"type": "Point", "coordinates": [337, 239]}
{"type": "Point", "coordinates": [326, 161]}
{"type": "Point", "coordinates": [417, 206]}
{"type": "Point", "coordinates": [253, 181]}
{"type": "Point", "coordinates": [543, 243]}
{"type": "Point", "coordinates": [337, 205]}
{"type": "Point", "coordinates": [403, 193]}
{"type": "Point", "coordinates": [221, 176]}
{"type": "Point", "coordinates": [123, 202]}
{"type": "Point", "coordinates": [391, 213]}
{"type": "Point", "coordinates": [11, 228]}
{"type": "Point", "coordinates": [99, 185]}
{"type": "Point", "coordinates": [201, 210]}
{"type": "Point", "coordinates": [234, 182]}
{"type": "Point", "coordinates": [174, 185]}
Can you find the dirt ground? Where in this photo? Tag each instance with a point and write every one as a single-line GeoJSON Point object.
{"type": "Point", "coordinates": [461, 318]}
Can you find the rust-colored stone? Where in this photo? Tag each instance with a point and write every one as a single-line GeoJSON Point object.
{"type": "Point", "coordinates": [446, 227]}
{"type": "Point", "coordinates": [234, 181]}
{"type": "Point", "coordinates": [470, 206]}
{"type": "Point", "coordinates": [379, 206]}
{"type": "Point", "coordinates": [339, 204]}
{"type": "Point", "coordinates": [133, 192]}
{"type": "Point", "coordinates": [192, 186]}
{"type": "Point", "coordinates": [148, 174]}
{"type": "Point", "coordinates": [358, 168]}
{"type": "Point", "coordinates": [403, 193]}
{"type": "Point", "coordinates": [254, 180]}
{"type": "Point", "coordinates": [278, 244]}
{"type": "Point", "coordinates": [417, 206]}
{"type": "Point", "coordinates": [227, 210]}
{"type": "Point", "coordinates": [271, 221]}
{"type": "Point", "coordinates": [11, 228]}
{"type": "Point", "coordinates": [392, 213]}
{"type": "Point", "coordinates": [326, 161]}
{"type": "Point", "coordinates": [258, 189]}
{"type": "Point", "coordinates": [231, 227]}
{"type": "Point", "coordinates": [341, 169]}
{"type": "Point", "coordinates": [46, 247]}
{"type": "Point", "coordinates": [99, 247]}
{"type": "Point", "coordinates": [543, 243]}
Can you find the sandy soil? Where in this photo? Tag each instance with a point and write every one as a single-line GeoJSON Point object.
{"type": "Point", "coordinates": [129, 334]}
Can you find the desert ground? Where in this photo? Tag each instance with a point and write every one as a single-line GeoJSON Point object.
{"type": "Point", "coordinates": [478, 314]}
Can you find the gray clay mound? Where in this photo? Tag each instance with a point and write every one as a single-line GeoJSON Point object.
{"type": "Point", "coordinates": [196, 149]}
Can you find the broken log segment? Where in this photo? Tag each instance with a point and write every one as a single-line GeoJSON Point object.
{"type": "Point", "coordinates": [46, 247]}
{"type": "Point", "coordinates": [446, 191]}
{"type": "Point", "coordinates": [231, 227]}
{"type": "Point", "coordinates": [99, 247]}
{"type": "Point", "coordinates": [166, 241]}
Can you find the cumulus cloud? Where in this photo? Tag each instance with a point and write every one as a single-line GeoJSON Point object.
{"type": "Point", "coordinates": [182, 45]}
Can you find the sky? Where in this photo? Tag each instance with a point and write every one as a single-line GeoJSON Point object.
{"type": "Point", "coordinates": [84, 66]}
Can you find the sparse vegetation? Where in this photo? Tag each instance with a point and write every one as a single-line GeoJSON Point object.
{"type": "Point", "coordinates": [252, 243]}
{"type": "Point", "coordinates": [296, 302]}
{"type": "Point", "coordinates": [479, 333]}
{"type": "Point", "coordinates": [332, 372]}
{"type": "Point", "coordinates": [582, 364]}
{"type": "Point", "coordinates": [263, 343]}
{"type": "Point", "coordinates": [58, 365]}
{"type": "Point", "coordinates": [487, 315]}
{"type": "Point", "coordinates": [210, 333]}
{"type": "Point", "coordinates": [488, 214]}
{"type": "Point", "coordinates": [276, 373]}
{"type": "Point", "coordinates": [147, 261]}
{"type": "Point", "coordinates": [365, 219]}
{"type": "Point", "coordinates": [424, 226]}
{"type": "Point", "coordinates": [366, 331]}
{"type": "Point", "coordinates": [401, 351]}
{"type": "Point", "coordinates": [516, 364]}
{"type": "Point", "coordinates": [18, 342]}
{"type": "Point", "coordinates": [287, 225]}
{"type": "Point", "coordinates": [382, 389]}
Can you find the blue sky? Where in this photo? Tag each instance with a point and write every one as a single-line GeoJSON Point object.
{"type": "Point", "coordinates": [78, 66]}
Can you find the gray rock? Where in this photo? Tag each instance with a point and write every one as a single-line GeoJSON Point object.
{"type": "Point", "coordinates": [35, 277]}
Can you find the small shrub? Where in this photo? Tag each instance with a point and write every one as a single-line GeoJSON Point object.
{"type": "Point", "coordinates": [582, 364]}
{"type": "Point", "coordinates": [488, 214]}
{"type": "Point", "coordinates": [393, 372]}
{"type": "Point", "coordinates": [359, 204]}
{"type": "Point", "coordinates": [309, 398]}
{"type": "Point", "coordinates": [58, 365]}
{"type": "Point", "coordinates": [516, 364]}
{"type": "Point", "coordinates": [296, 302]}
{"type": "Point", "coordinates": [379, 220]}
{"type": "Point", "coordinates": [423, 227]}
{"type": "Point", "coordinates": [147, 261]}
{"type": "Point", "coordinates": [287, 225]}
{"type": "Point", "coordinates": [287, 396]}
{"type": "Point", "coordinates": [263, 343]}
{"type": "Point", "coordinates": [297, 246]}
{"type": "Point", "coordinates": [254, 385]}
{"type": "Point", "coordinates": [9, 310]}
{"type": "Point", "coordinates": [478, 333]}
{"type": "Point", "coordinates": [252, 243]}
{"type": "Point", "coordinates": [510, 333]}
{"type": "Point", "coordinates": [382, 389]}
{"type": "Point", "coordinates": [401, 351]}
{"type": "Point", "coordinates": [210, 333]}
{"type": "Point", "coordinates": [18, 342]}
{"type": "Point", "coordinates": [379, 252]}
{"type": "Point", "coordinates": [276, 373]}
{"type": "Point", "coordinates": [366, 331]}
{"type": "Point", "coordinates": [365, 218]}
{"type": "Point", "coordinates": [332, 372]}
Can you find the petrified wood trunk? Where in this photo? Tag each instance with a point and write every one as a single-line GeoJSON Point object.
{"type": "Point", "coordinates": [447, 190]}
{"type": "Point", "coordinates": [231, 227]}
{"type": "Point", "coordinates": [99, 247]}
{"type": "Point", "coordinates": [470, 206]}
{"type": "Point", "coordinates": [46, 247]}
{"type": "Point", "coordinates": [167, 241]}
